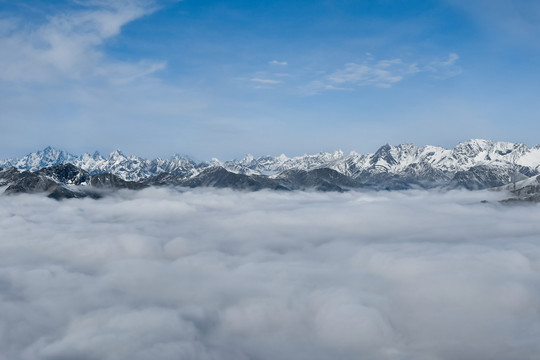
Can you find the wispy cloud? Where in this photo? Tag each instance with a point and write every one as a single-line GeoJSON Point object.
{"type": "Point", "coordinates": [59, 65]}
{"type": "Point", "coordinates": [445, 68]}
{"type": "Point", "coordinates": [67, 45]}
{"type": "Point", "coordinates": [122, 73]}
{"type": "Point", "coordinates": [265, 81]}
{"type": "Point", "coordinates": [276, 62]}
{"type": "Point", "coordinates": [316, 86]}
{"type": "Point", "coordinates": [384, 73]}
{"type": "Point", "coordinates": [381, 73]}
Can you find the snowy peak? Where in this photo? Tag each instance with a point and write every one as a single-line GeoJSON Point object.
{"type": "Point", "coordinates": [247, 160]}
{"type": "Point", "coordinates": [473, 146]}
{"type": "Point", "coordinates": [476, 161]}
{"type": "Point", "coordinates": [383, 157]}
{"type": "Point", "coordinates": [44, 158]}
{"type": "Point", "coordinates": [117, 155]}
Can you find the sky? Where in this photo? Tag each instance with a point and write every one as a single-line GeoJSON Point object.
{"type": "Point", "coordinates": [226, 78]}
{"type": "Point", "coordinates": [225, 275]}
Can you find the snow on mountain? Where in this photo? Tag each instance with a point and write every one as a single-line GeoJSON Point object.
{"type": "Point", "coordinates": [126, 167]}
{"type": "Point", "coordinates": [475, 160]}
{"type": "Point", "coordinates": [38, 160]}
{"type": "Point", "coordinates": [524, 190]}
{"type": "Point", "coordinates": [273, 165]}
{"type": "Point", "coordinates": [530, 158]}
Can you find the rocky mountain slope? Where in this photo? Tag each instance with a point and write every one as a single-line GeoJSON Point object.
{"type": "Point", "coordinates": [63, 181]}
{"type": "Point", "coordinates": [475, 164]}
{"type": "Point", "coordinates": [68, 181]}
{"type": "Point", "coordinates": [524, 190]}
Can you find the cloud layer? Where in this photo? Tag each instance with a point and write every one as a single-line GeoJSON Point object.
{"type": "Point", "coordinates": [269, 275]}
{"type": "Point", "coordinates": [66, 46]}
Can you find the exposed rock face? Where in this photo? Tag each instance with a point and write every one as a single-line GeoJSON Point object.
{"type": "Point", "coordinates": [221, 178]}
{"type": "Point", "coordinates": [473, 164]}
{"type": "Point", "coordinates": [110, 181]}
{"type": "Point", "coordinates": [66, 174]}
{"type": "Point", "coordinates": [526, 190]}
{"type": "Point", "coordinates": [319, 179]}
{"type": "Point", "coordinates": [27, 182]}
{"type": "Point", "coordinates": [7, 176]}
{"type": "Point", "coordinates": [62, 181]}
{"type": "Point", "coordinates": [61, 193]}
{"type": "Point", "coordinates": [482, 176]}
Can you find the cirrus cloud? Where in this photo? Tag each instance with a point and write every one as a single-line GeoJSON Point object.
{"type": "Point", "coordinates": [65, 46]}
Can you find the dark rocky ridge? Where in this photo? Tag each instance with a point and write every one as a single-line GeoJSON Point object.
{"type": "Point", "coordinates": [63, 181]}
{"type": "Point", "coordinates": [218, 177]}
{"type": "Point", "coordinates": [68, 181]}
{"type": "Point", "coordinates": [473, 164]}
{"type": "Point", "coordinates": [319, 179]}
{"type": "Point", "coordinates": [524, 191]}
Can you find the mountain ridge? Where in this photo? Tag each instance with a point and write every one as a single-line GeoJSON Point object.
{"type": "Point", "coordinates": [67, 181]}
{"type": "Point", "coordinates": [472, 164]}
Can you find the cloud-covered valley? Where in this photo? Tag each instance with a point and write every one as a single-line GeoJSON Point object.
{"type": "Point", "coordinates": [207, 274]}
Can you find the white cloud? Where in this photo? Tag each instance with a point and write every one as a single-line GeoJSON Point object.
{"type": "Point", "coordinates": [380, 73]}
{"type": "Point", "coordinates": [316, 86]}
{"type": "Point", "coordinates": [125, 73]}
{"type": "Point", "coordinates": [66, 46]}
{"type": "Point", "coordinates": [230, 275]}
{"type": "Point", "coordinates": [445, 68]}
{"type": "Point", "coordinates": [276, 62]}
{"type": "Point", "coordinates": [265, 81]}
{"type": "Point", "coordinates": [452, 58]}
{"type": "Point", "coordinates": [59, 85]}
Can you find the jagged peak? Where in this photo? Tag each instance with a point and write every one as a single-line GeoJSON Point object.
{"type": "Point", "coordinates": [480, 145]}
{"type": "Point", "coordinates": [384, 149]}
{"type": "Point", "coordinates": [433, 147]}
{"type": "Point", "coordinates": [394, 159]}
{"type": "Point", "coordinates": [477, 143]}
{"type": "Point", "coordinates": [406, 147]}
{"type": "Point", "coordinates": [116, 153]}
{"type": "Point", "coordinates": [248, 158]}
{"type": "Point", "coordinates": [50, 150]}
{"type": "Point", "coordinates": [178, 156]}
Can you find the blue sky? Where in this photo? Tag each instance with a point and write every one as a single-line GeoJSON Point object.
{"type": "Point", "coordinates": [226, 78]}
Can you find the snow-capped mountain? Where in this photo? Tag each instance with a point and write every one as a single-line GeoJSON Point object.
{"type": "Point", "coordinates": [38, 160]}
{"type": "Point", "coordinates": [524, 190]}
{"type": "Point", "coordinates": [471, 164]}
{"type": "Point", "coordinates": [126, 167]}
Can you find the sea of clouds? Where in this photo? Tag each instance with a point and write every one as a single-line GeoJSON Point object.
{"type": "Point", "coordinates": [208, 274]}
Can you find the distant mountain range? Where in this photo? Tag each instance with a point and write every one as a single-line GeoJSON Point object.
{"type": "Point", "coordinates": [474, 164]}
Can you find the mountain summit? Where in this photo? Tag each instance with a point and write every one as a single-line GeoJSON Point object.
{"type": "Point", "coordinates": [473, 164]}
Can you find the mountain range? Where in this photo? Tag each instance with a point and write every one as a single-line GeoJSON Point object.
{"type": "Point", "coordinates": [474, 164]}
